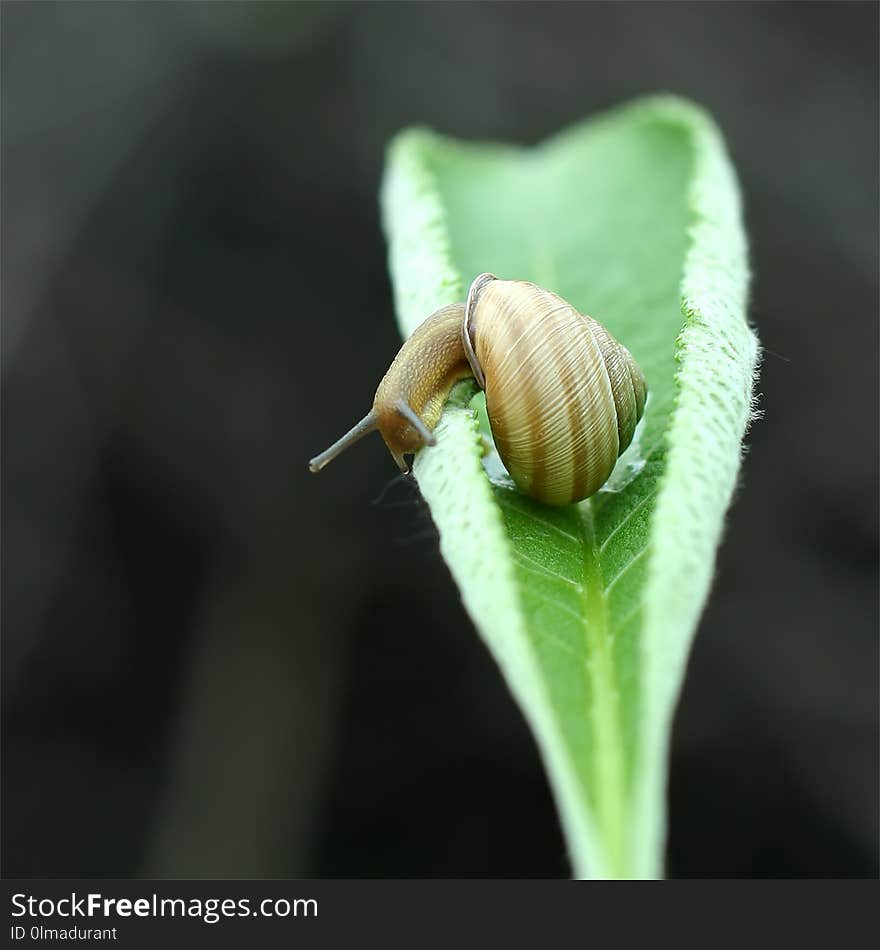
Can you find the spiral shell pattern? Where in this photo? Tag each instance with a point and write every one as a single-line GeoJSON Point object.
{"type": "Point", "coordinates": [563, 397]}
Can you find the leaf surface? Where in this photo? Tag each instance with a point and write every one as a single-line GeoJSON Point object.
{"type": "Point", "coordinates": [590, 610]}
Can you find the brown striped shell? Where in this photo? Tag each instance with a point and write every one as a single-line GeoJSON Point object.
{"type": "Point", "coordinates": [563, 397]}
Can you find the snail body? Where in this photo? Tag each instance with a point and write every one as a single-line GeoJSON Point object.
{"type": "Point", "coordinates": [563, 397]}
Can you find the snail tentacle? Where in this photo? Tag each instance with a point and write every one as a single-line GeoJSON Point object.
{"type": "Point", "coordinates": [368, 424]}
{"type": "Point", "coordinates": [411, 416]}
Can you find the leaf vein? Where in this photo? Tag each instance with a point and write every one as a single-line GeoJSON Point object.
{"type": "Point", "coordinates": [529, 564]}
{"type": "Point", "coordinates": [620, 574]}
{"type": "Point", "coordinates": [629, 515]}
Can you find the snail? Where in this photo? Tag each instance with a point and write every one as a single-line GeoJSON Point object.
{"type": "Point", "coordinates": [563, 397]}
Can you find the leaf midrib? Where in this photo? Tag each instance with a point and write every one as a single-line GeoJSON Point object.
{"type": "Point", "coordinates": [610, 778]}
{"type": "Point", "coordinates": [605, 788]}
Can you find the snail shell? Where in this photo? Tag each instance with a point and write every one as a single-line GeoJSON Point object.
{"type": "Point", "coordinates": [563, 397]}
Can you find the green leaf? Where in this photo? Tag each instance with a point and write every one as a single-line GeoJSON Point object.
{"type": "Point", "coordinates": [589, 610]}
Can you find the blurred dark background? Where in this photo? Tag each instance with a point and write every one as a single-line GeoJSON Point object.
{"type": "Point", "coordinates": [216, 664]}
